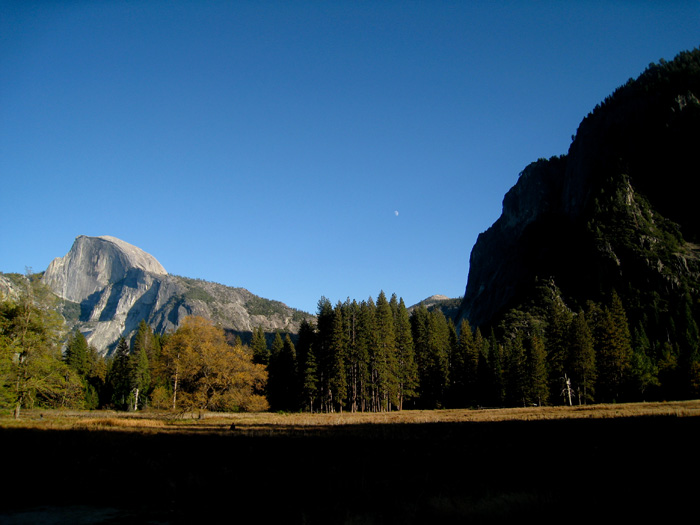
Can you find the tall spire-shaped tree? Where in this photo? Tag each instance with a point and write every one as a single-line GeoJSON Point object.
{"type": "Point", "coordinates": [384, 363]}
{"type": "Point", "coordinates": [614, 351]}
{"type": "Point", "coordinates": [407, 371]}
{"type": "Point", "coordinates": [580, 363]}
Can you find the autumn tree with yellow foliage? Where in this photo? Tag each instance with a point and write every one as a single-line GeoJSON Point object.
{"type": "Point", "coordinates": [207, 373]}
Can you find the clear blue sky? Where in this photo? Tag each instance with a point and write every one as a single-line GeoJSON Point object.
{"type": "Point", "coordinates": [299, 149]}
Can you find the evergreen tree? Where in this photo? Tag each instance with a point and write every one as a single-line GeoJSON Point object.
{"type": "Point", "coordinates": [76, 355]}
{"type": "Point", "coordinates": [516, 371]}
{"type": "Point", "coordinates": [261, 354]}
{"type": "Point", "coordinates": [465, 366]}
{"type": "Point", "coordinates": [323, 351]}
{"type": "Point", "coordinates": [643, 371]}
{"type": "Point", "coordinates": [283, 378]}
{"type": "Point", "coordinates": [492, 382]}
{"type": "Point", "coordinates": [580, 364]}
{"type": "Point", "coordinates": [669, 375]}
{"type": "Point", "coordinates": [538, 384]}
{"type": "Point", "coordinates": [118, 375]}
{"type": "Point", "coordinates": [614, 352]}
{"type": "Point", "coordinates": [436, 374]}
{"type": "Point", "coordinates": [146, 340]}
{"type": "Point", "coordinates": [310, 382]}
{"type": "Point", "coordinates": [557, 337]}
{"type": "Point", "coordinates": [337, 380]}
{"type": "Point", "coordinates": [95, 381]}
{"type": "Point", "coordinates": [360, 359]}
{"type": "Point", "coordinates": [32, 371]}
{"type": "Point", "coordinates": [419, 332]}
{"type": "Point", "coordinates": [407, 370]}
{"type": "Point", "coordinates": [384, 364]}
{"type": "Point", "coordinates": [139, 377]}
{"type": "Point", "coordinates": [305, 340]}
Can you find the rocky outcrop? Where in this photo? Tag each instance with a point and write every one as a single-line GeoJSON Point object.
{"type": "Point", "coordinates": [117, 285]}
{"type": "Point", "coordinates": [94, 263]}
{"type": "Point", "coordinates": [616, 212]}
{"type": "Point", "coordinates": [448, 306]}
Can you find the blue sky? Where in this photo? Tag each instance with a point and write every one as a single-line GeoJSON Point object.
{"type": "Point", "coordinates": [299, 149]}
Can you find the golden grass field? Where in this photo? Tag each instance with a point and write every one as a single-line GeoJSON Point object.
{"type": "Point", "coordinates": [268, 422]}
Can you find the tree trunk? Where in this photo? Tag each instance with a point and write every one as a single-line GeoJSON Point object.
{"type": "Point", "coordinates": [175, 392]}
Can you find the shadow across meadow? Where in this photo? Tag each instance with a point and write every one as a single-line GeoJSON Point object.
{"type": "Point", "coordinates": [554, 471]}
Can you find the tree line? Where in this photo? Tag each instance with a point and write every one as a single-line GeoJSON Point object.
{"type": "Point", "coordinates": [196, 368]}
{"type": "Point", "coordinates": [376, 356]}
{"type": "Point", "coordinates": [362, 356]}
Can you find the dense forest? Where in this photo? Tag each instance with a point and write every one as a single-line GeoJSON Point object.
{"type": "Point", "coordinates": [371, 356]}
{"type": "Point", "coordinates": [358, 356]}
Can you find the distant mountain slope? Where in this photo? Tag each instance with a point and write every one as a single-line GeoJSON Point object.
{"type": "Point", "coordinates": [448, 306]}
{"type": "Point", "coordinates": [617, 212]}
{"type": "Point", "coordinates": [108, 286]}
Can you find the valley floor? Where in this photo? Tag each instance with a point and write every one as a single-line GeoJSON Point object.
{"type": "Point", "coordinates": [405, 468]}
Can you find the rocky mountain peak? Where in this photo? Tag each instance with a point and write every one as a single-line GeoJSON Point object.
{"type": "Point", "coordinates": [617, 212]}
{"type": "Point", "coordinates": [109, 286]}
{"type": "Point", "coordinates": [93, 263]}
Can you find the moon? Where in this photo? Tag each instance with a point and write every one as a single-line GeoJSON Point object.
{"type": "Point", "coordinates": [396, 212]}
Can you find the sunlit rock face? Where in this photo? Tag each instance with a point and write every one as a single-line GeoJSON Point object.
{"type": "Point", "coordinates": [115, 283]}
{"type": "Point", "coordinates": [113, 286]}
{"type": "Point", "coordinates": [93, 263]}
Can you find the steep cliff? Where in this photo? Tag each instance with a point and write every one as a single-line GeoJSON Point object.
{"type": "Point", "coordinates": [616, 212]}
{"type": "Point", "coordinates": [110, 286]}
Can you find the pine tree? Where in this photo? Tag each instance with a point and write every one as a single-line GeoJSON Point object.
{"type": "Point", "coordinates": [360, 360]}
{"type": "Point", "coordinates": [337, 380]}
{"type": "Point", "coordinates": [437, 371]}
{"type": "Point", "coordinates": [614, 352]}
{"type": "Point", "coordinates": [76, 355]}
{"type": "Point", "coordinates": [384, 365]}
{"type": "Point", "coordinates": [407, 370]}
{"type": "Point", "coordinates": [643, 371]}
{"type": "Point", "coordinates": [277, 375]}
{"type": "Point", "coordinates": [580, 364]}
{"type": "Point", "coordinates": [32, 371]}
{"type": "Point", "coordinates": [118, 375]}
{"type": "Point", "coordinates": [305, 341]}
{"type": "Point", "coordinates": [515, 371]}
{"type": "Point", "coordinates": [310, 383]}
{"type": "Point", "coordinates": [323, 351]}
{"type": "Point", "coordinates": [139, 377]}
{"type": "Point", "coordinates": [669, 374]}
{"type": "Point", "coordinates": [261, 354]}
{"type": "Point", "coordinates": [537, 380]}
{"type": "Point", "coordinates": [557, 343]}
{"type": "Point", "coordinates": [491, 375]}
{"type": "Point", "coordinates": [466, 366]}
{"type": "Point", "coordinates": [95, 383]}
{"type": "Point", "coordinates": [283, 378]}
{"type": "Point", "coordinates": [419, 332]}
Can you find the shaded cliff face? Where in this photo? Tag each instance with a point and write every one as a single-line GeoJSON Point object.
{"type": "Point", "coordinates": [116, 285]}
{"type": "Point", "coordinates": [617, 212]}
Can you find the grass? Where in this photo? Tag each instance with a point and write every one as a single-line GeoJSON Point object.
{"type": "Point", "coordinates": [269, 423]}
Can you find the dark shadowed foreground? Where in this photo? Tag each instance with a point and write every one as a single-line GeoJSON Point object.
{"type": "Point", "coordinates": [565, 471]}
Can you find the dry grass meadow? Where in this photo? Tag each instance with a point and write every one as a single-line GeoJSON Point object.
{"type": "Point", "coordinates": [267, 423]}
